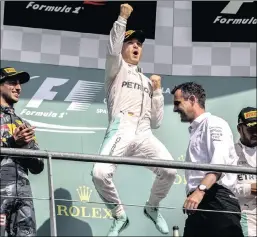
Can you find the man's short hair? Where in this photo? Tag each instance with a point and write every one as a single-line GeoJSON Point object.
{"type": "Point", "coordinates": [192, 88]}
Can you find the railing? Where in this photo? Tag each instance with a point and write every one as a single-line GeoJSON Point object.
{"type": "Point", "coordinates": [138, 161]}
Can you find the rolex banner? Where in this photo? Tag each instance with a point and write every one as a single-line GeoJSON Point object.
{"type": "Point", "coordinates": [224, 21]}
{"type": "Point", "coordinates": [67, 106]}
{"type": "Point", "coordinates": [95, 17]}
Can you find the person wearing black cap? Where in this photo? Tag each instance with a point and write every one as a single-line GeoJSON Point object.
{"type": "Point", "coordinates": [135, 105]}
{"type": "Point", "coordinates": [246, 188]}
{"type": "Point", "coordinates": [16, 214]}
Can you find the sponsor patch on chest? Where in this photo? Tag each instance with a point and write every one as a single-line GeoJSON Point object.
{"type": "Point", "coordinates": [137, 86]}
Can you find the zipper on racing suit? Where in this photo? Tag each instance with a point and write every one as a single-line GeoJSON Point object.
{"type": "Point", "coordinates": [139, 70]}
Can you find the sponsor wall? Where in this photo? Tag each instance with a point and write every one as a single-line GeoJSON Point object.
{"type": "Point", "coordinates": [172, 52]}
{"type": "Point", "coordinates": [67, 106]}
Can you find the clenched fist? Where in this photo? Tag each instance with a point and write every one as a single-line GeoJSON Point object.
{"type": "Point", "coordinates": [125, 10]}
{"type": "Point", "coordinates": [156, 82]}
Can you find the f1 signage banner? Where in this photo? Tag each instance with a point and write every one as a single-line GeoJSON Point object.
{"type": "Point", "coordinates": [224, 21]}
{"type": "Point", "coordinates": [96, 17]}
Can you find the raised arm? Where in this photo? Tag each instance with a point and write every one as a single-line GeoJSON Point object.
{"type": "Point", "coordinates": [115, 43]}
{"type": "Point", "coordinates": [157, 103]}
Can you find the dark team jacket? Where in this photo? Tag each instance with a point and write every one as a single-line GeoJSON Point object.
{"type": "Point", "coordinates": [13, 168]}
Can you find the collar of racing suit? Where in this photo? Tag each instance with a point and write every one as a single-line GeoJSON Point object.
{"type": "Point", "coordinates": [249, 153]}
{"type": "Point", "coordinates": [7, 109]}
{"type": "Point", "coordinates": [137, 68]}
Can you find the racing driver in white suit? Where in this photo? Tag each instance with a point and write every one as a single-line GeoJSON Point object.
{"type": "Point", "coordinates": [135, 105]}
{"type": "Point", "coordinates": [246, 187]}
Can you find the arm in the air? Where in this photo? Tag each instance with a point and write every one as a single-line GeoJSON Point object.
{"type": "Point", "coordinates": [114, 48]}
{"type": "Point", "coordinates": [157, 109]}
{"type": "Point", "coordinates": [115, 43]}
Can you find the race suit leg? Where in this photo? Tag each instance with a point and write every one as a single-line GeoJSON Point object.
{"type": "Point", "coordinates": [115, 143]}
{"type": "Point", "coordinates": [249, 223]}
{"type": "Point", "coordinates": [19, 213]}
{"type": "Point", "coordinates": [24, 220]}
{"type": "Point", "coordinates": [150, 147]}
{"type": "Point", "coordinates": [7, 205]}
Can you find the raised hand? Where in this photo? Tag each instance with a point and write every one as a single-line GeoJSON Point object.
{"type": "Point", "coordinates": [125, 10]}
{"type": "Point", "coordinates": [156, 82]}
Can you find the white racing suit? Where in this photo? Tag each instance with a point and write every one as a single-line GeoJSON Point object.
{"type": "Point", "coordinates": [133, 109]}
{"type": "Point", "coordinates": [248, 201]}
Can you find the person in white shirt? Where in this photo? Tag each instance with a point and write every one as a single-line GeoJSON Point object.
{"type": "Point", "coordinates": [211, 142]}
{"type": "Point", "coordinates": [246, 190]}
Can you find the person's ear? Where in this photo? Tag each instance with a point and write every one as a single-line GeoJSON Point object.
{"type": "Point", "coordinates": [238, 128]}
{"type": "Point", "coordinates": [192, 99]}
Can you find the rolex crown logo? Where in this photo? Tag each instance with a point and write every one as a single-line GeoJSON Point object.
{"type": "Point", "coordinates": [84, 193]}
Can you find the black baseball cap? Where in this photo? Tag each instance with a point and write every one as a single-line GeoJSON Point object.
{"type": "Point", "coordinates": [248, 116]}
{"type": "Point", "coordinates": [10, 74]}
{"type": "Point", "coordinates": [134, 34]}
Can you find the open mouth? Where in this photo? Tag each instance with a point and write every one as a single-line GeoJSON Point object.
{"type": "Point", "coordinates": [135, 53]}
{"type": "Point", "coordinates": [181, 114]}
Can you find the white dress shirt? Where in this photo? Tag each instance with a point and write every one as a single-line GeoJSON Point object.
{"type": "Point", "coordinates": [211, 142]}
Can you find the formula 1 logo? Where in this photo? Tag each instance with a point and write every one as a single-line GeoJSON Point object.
{"type": "Point", "coordinates": [232, 8]}
{"type": "Point", "coordinates": [53, 8]}
{"type": "Point", "coordinates": [63, 9]}
{"type": "Point", "coordinates": [80, 98]}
